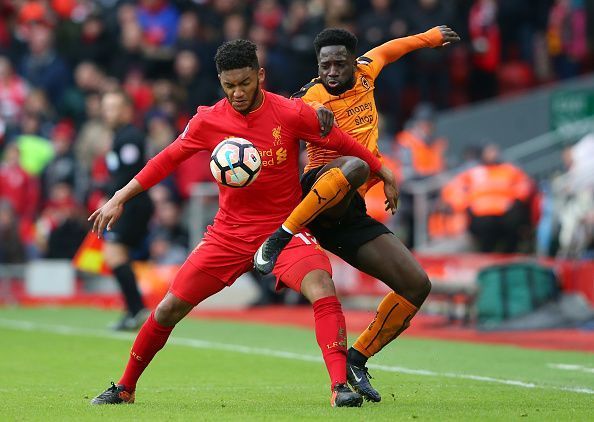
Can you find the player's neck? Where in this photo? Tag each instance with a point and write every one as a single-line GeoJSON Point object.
{"type": "Point", "coordinates": [256, 104]}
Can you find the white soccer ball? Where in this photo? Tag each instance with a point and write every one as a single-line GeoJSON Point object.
{"type": "Point", "coordinates": [235, 162]}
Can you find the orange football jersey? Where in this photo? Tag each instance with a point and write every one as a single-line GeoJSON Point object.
{"type": "Point", "coordinates": [354, 110]}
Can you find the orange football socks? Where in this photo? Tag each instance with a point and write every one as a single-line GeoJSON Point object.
{"type": "Point", "coordinates": [392, 318]}
{"type": "Point", "coordinates": [328, 191]}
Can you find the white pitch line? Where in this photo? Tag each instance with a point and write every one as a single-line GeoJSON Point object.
{"type": "Point", "coordinates": [571, 367]}
{"type": "Point", "coordinates": [259, 351]}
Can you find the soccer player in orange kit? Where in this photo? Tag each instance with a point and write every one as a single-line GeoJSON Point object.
{"type": "Point", "coordinates": [345, 87]}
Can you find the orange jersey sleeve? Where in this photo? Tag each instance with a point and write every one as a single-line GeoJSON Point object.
{"type": "Point", "coordinates": [391, 51]}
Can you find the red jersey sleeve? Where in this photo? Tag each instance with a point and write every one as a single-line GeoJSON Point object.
{"type": "Point", "coordinates": [190, 141]}
{"type": "Point", "coordinates": [308, 128]}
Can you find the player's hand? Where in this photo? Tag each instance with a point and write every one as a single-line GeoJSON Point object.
{"type": "Point", "coordinates": [326, 119]}
{"type": "Point", "coordinates": [448, 34]}
{"type": "Point", "coordinates": [390, 189]}
{"type": "Point", "coordinates": [106, 216]}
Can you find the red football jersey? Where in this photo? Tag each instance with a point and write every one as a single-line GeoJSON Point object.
{"type": "Point", "coordinates": [253, 212]}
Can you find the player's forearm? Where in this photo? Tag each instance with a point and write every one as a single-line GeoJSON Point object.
{"type": "Point", "coordinates": [341, 142]}
{"type": "Point", "coordinates": [132, 188]}
{"type": "Point", "coordinates": [160, 166]}
{"type": "Point", "coordinates": [394, 49]}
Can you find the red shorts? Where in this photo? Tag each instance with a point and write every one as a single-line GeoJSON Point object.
{"type": "Point", "coordinates": [215, 262]}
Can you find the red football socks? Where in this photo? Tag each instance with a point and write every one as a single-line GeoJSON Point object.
{"type": "Point", "coordinates": [332, 337]}
{"type": "Point", "coordinates": [150, 339]}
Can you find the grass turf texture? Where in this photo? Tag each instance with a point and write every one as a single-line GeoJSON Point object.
{"type": "Point", "coordinates": [50, 372]}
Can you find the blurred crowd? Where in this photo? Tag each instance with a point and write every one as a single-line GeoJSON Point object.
{"type": "Point", "coordinates": [57, 58]}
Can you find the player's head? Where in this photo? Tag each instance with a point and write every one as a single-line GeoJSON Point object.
{"type": "Point", "coordinates": [240, 74]}
{"type": "Point", "coordinates": [335, 50]}
{"type": "Point", "coordinates": [117, 108]}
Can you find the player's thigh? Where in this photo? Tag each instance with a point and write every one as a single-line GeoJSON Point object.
{"type": "Point", "coordinates": [300, 257]}
{"type": "Point", "coordinates": [354, 169]}
{"type": "Point", "coordinates": [345, 239]}
{"type": "Point", "coordinates": [311, 177]}
{"type": "Point", "coordinates": [223, 262]}
{"type": "Point", "coordinates": [193, 285]}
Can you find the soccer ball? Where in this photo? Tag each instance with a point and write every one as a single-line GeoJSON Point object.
{"type": "Point", "coordinates": [235, 162]}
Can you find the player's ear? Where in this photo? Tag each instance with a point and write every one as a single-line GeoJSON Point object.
{"type": "Point", "coordinates": [261, 75]}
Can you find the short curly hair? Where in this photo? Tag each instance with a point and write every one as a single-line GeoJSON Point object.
{"type": "Point", "coordinates": [336, 36]}
{"type": "Point", "coordinates": [236, 54]}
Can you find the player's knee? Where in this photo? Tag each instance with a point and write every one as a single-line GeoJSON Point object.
{"type": "Point", "coordinates": [317, 285]}
{"type": "Point", "coordinates": [414, 285]}
{"type": "Point", "coordinates": [356, 171]}
{"type": "Point", "coordinates": [171, 310]}
{"type": "Point", "coordinates": [418, 288]}
{"type": "Point", "coordinates": [424, 285]}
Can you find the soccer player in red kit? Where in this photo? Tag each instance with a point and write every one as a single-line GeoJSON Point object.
{"type": "Point", "coordinates": [246, 216]}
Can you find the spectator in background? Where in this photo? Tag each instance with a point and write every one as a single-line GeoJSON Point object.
{"type": "Point", "coordinates": [95, 43]}
{"type": "Point", "coordinates": [192, 86]}
{"type": "Point", "coordinates": [376, 27]}
{"type": "Point", "coordinates": [17, 187]}
{"type": "Point", "coordinates": [296, 36]}
{"type": "Point", "coordinates": [158, 20]}
{"type": "Point", "coordinates": [13, 92]}
{"type": "Point", "coordinates": [88, 79]}
{"type": "Point", "coordinates": [495, 195]}
{"type": "Point", "coordinates": [566, 36]}
{"type": "Point", "coordinates": [124, 160]}
{"type": "Point", "coordinates": [420, 155]}
{"type": "Point", "coordinates": [431, 72]}
{"type": "Point", "coordinates": [131, 51]}
{"type": "Point", "coordinates": [38, 105]}
{"type": "Point", "coordinates": [160, 132]}
{"type": "Point", "coordinates": [35, 151]}
{"type": "Point", "coordinates": [418, 151]}
{"type": "Point", "coordinates": [63, 168]}
{"type": "Point", "coordinates": [192, 35]}
{"type": "Point", "coordinates": [61, 227]}
{"type": "Point", "coordinates": [41, 66]}
{"type": "Point", "coordinates": [234, 27]}
{"type": "Point", "coordinates": [168, 240]}
{"type": "Point", "coordinates": [140, 91]}
{"type": "Point", "coordinates": [573, 199]}
{"type": "Point", "coordinates": [485, 41]}
{"type": "Point", "coordinates": [93, 137]}
{"type": "Point", "coordinates": [12, 250]}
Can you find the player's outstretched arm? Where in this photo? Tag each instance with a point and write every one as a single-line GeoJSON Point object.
{"type": "Point", "coordinates": [106, 216]}
{"type": "Point", "coordinates": [438, 36]}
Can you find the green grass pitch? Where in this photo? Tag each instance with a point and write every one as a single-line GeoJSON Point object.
{"type": "Point", "coordinates": [53, 361]}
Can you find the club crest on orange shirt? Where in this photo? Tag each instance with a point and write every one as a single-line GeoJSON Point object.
{"type": "Point", "coordinates": [365, 83]}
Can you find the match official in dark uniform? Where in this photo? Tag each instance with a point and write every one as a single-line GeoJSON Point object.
{"type": "Point", "coordinates": [125, 158]}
